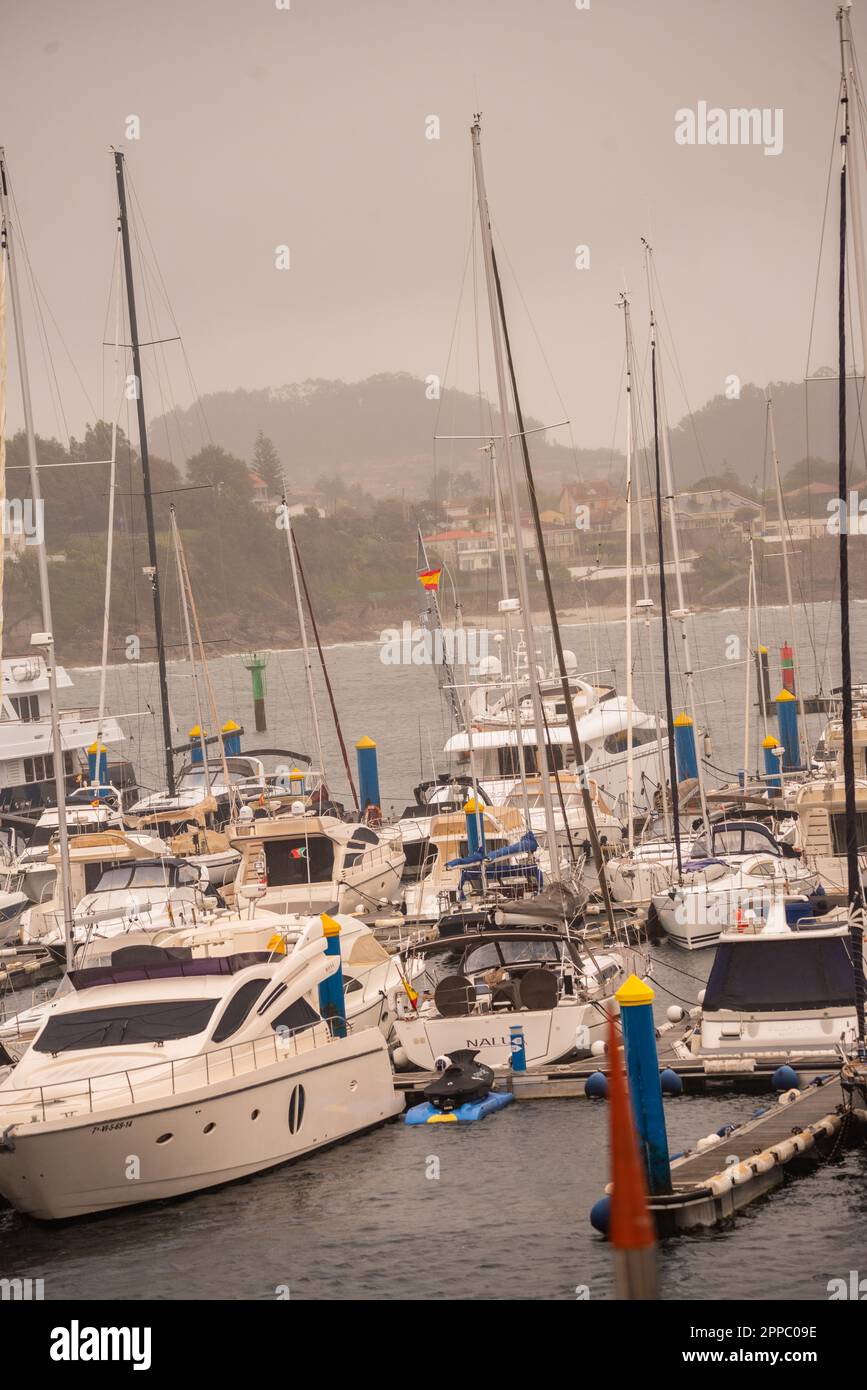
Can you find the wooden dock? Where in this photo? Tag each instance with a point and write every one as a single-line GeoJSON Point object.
{"type": "Point", "coordinates": [711, 1184]}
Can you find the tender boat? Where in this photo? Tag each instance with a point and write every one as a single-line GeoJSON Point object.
{"type": "Point", "coordinates": [175, 1075]}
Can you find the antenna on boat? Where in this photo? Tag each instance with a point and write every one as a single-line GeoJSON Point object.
{"type": "Point", "coordinates": [308, 668]}
{"type": "Point", "coordinates": [854, 889]}
{"type": "Point", "coordinates": [152, 570]}
{"type": "Point", "coordinates": [44, 639]}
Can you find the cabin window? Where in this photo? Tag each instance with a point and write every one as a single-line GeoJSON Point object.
{"type": "Point", "coordinates": [304, 859]}
{"type": "Point", "coordinates": [299, 1014]}
{"type": "Point", "coordinates": [26, 707]}
{"type": "Point", "coordinates": [41, 767]}
{"type": "Point", "coordinates": [507, 762]}
{"type": "Point", "coordinates": [838, 826]}
{"type": "Point", "coordinates": [420, 859]}
{"type": "Point", "coordinates": [238, 1009]}
{"type": "Point", "coordinates": [122, 1025]}
{"type": "Point", "coordinates": [617, 743]}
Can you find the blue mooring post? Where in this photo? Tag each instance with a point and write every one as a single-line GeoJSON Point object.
{"type": "Point", "coordinates": [231, 733]}
{"type": "Point", "coordinates": [332, 1004]}
{"type": "Point", "coordinates": [772, 763]}
{"type": "Point", "coordinates": [475, 826]}
{"type": "Point", "coordinates": [519, 1048]}
{"type": "Point", "coordinates": [368, 774]}
{"type": "Point", "coordinates": [196, 745]}
{"type": "Point", "coordinates": [684, 747]}
{"type": "Point", "coordinates": [97, 765]}
{"type": "Point", "coordinates": [787, 714]}
{"type": "Point", "coordinates": [642, 1067]}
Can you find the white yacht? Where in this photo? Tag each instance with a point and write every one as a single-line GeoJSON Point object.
{"type": "Point", "coordinates": [374, 981]}
{"type": "Point", "coordinates": [306, 862]}
{"type": "Point", "coordinates": [178, 1075]}
{"type": "Point", "coordinates": [26, 761]}
{"type": "Point", "coordinates": [650, 868]}
{"type": "Point", "coordinates": [786, 993]}
{"type": "Point", "coordinates": [716, 896]}
{"type": "Point", "coordinates": [602, 719]}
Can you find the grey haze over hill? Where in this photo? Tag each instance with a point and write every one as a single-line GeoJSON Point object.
{"type": "Point", "coordinates": [380, 433]}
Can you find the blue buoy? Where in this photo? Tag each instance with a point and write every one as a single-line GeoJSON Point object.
{"type": "Point", "coordinates": [671, 1083]}
{"type": "Point", "coordinates": [596, 1086]}
{"type": "Point", "coordinates": [784, 1079]}
{"type": "Point", "coordinates": [600, 1213]}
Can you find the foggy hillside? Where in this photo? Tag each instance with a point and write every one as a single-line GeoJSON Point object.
{"type": "Point", "coordinates": [380, 432]}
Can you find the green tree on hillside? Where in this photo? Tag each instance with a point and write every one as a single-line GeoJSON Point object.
{"type": "Point", "coordinates": [266, 462]}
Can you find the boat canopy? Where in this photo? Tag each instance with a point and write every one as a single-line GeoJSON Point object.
{"type": "Point", "coordinates": [794, 972]}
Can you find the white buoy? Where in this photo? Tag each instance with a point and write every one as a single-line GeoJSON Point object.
{"type": "Point", "coordinates": [599, 1048]}
{"type": "Point", "coordinates": [674, 1013]}
{"type": "Point", "coordinates": [700, 996]}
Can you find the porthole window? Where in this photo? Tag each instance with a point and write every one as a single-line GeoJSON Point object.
{"type": "Point", "coordinates": [296, 1109]}
{"type": "Point", "coordinates": [254, 1115]}
{"type": "Point", "coordinates": [164, 1138]}
{"type": "Point", "coordinates": [209, 1128]}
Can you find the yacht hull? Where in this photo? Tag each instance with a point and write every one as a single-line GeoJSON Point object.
{"type": "Point", "coordinates": [550, 1035]}
{"type": "Point", "coordinates": [118, 1156]}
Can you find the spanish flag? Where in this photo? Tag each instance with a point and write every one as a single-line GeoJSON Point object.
{"type": "Point", "coordinates": [430, 579]}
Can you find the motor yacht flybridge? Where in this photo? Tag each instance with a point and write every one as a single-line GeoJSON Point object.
{"type": "Point", "coordinates": [602, 720]}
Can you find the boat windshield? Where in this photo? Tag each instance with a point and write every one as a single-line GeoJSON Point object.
{"type": "Point", "coordinates": [134, 876]}
{"type": "Point", "coordinates": [125, 1024]}
{"type": "Point", "coordinates": [492, 955]}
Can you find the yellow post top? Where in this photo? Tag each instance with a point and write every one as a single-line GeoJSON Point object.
{"type": "Point", "coordinates": [683, 721]}
{"type": "Point", "coordinates": [784, 695]}
{"type": "Point", "coordinates": [634, 991]}
{"type": "Point", "coordinates": [96, 748]}
{"type": "Point", "coordinates": [230, 727]}
{"type": "Point", "coordinates": [195, 732]}
{"type": "Point", "coordinates": [365, 743]}
{"type": "Point", "coordinates": [472, 807]}
{"type": "Point", "coordinates": [329, 926]}
{"type": "Point", "coordinates": [770, 742]}
{"type": "Point", "coordinates": [296, 775]}
{"type": "Point", "coordinates": [763, 651]}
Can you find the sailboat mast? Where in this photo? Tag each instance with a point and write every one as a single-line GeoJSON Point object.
{"type": "Point", "coordinates": [515, 500]}
{"type": "Point", "coordinates": [506, 606]}
{"type": "Point", "coordinates": [185, 610]}
{"type": "Point", "coordinates": [630, 759]}
{"type": "Point", "coordinates": [784, 540]}
{"type": "Point", "coordinates": [578, 751]}
{"type": "Point", "coordinates": [681, 613]}
{"type": "Point", "coordinates": [855, 893]}
{"type": "Point", "coordinates": [152, 571]}
{"type": "Point", "coordinates": [308, 665]}
{"type": "Point", "coordinates": [46, 637]}
{"type": "Point", "coordinates": [663, 608]}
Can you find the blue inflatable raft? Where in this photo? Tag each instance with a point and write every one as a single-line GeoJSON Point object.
{"type": "Point", "coordinates": [427, 1114]}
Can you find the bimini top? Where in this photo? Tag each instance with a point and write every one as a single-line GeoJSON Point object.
{"type": "Point", "coordinates": [804, 970]}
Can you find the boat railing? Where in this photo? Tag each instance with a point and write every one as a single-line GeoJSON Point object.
{"type": "Point", "coordinates": [129, 1085]}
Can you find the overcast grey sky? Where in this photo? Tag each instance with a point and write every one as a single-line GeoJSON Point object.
{"type": "Point", "coordinates": [262, 126]}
